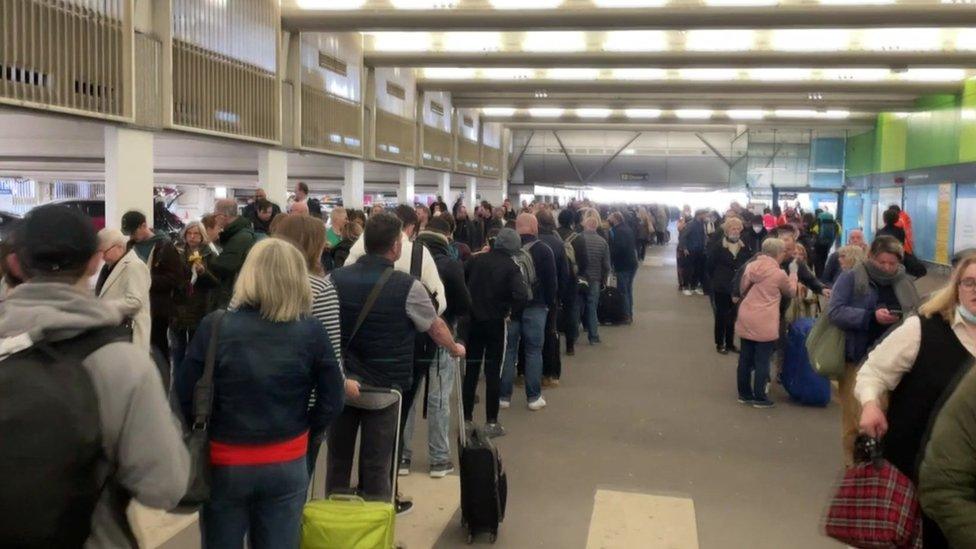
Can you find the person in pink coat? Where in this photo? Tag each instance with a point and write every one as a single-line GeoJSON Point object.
{"type": "Point", "coordinates": [764, 284]}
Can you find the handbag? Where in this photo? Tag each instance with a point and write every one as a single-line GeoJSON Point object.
{"type": "Point", "coordinates": [825, 347]}
{"type": "Point", "coordinates": [197, 436]}
{"type": "Point", "coordinates": [875, 505]}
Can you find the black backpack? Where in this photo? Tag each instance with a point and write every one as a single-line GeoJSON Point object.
{"type": "Point", "coordinates": [51, 442]}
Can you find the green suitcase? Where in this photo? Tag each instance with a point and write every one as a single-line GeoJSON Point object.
{"type": "Point", "coordinates": [348, 522]}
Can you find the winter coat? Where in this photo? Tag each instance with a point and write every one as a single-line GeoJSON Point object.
{"type": "Point", "coordinates": [496, 285]}
{"type": "Point", "coordinates": [721, 265]}
{"type": "Point", "coordinates": [547, 285]}
{"type": "Point", "coordinates": [127, 287]}
{"type": "Point", "coordinates": [452, 275]}
{"type": "Point", "coordinates": [764, 285]}
{"type": "Point", "coordinates": [579, 248]}
{"type": "Point", "coordinates": [235, 242]}
{"type": "Point", "coordinates": [167, 274]}
{"type": "Point", "coordinates": [623, 248]}
{"type": "Point", "coordinates": [341, 252]}
{"type": "Point", "coordinates": [692, 237]}
{"type": "Point", "coordinates": [193, 300]}
{"type": "Point", "coordinates": [566, 286]}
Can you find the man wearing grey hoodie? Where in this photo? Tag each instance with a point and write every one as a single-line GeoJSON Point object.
{"type": "Point", "coordinates": [142, 451]}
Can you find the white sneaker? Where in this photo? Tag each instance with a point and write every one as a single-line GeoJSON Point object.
{"type": "Point", "coordinates": [699, 291]}
{"type": "Point", "coordinates": [504, 404]}
{"type": "Point", "coordinates": [537, 404]}
{"type": "Point", "coordinates": [686, 292]}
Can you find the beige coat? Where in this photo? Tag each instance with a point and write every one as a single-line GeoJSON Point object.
{"type": "Point", "coordinates": [127, 287]}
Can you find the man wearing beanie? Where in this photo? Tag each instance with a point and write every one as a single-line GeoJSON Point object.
{"type": "Point", "coordinates": [86, 439]}
{"type": "Point", "coordinates": [497, 288]}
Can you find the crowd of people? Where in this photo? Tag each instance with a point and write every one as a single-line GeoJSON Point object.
{"type": "Point", "coordinates": [315, 326]}
{"type": "Point", "coordinates": [320, 326]}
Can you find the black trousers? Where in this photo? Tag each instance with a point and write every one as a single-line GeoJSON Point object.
{"type": "Point", "coordinates": [725, 312]}
{"type": "Point", "coordinates": [820, 254]}
{"type": "Point", "coordinates": [159, 335]}
{"type": "Point", "coordinates": [486, 344]}
{"type": "Point", "coordinates": [376, 446]}
{"type": "Point", "coordinates": [641, 249]}
{"type": "Point", "coordinates": [694, 270]}
{"type": "Point", "coordinates": [552, 365]}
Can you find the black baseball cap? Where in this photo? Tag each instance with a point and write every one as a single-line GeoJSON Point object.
{"type": "Point", "coordinates": [131, 221]}
{"type": "Point", "coordinates": [54, 238]}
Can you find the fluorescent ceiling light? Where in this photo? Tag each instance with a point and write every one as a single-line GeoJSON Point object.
{"type": "Point", "coordinates": [693, 114]}
{"type": "Point", "coordinates": [780, 74]}
{"type": "Point", "coordinates": [546, 112]}
{"type": "Point", "coordinates": [497, 111]}
{"type": "Point", "coordinates": [810, 39]}
{"type": "Point", "coordinates": [965, 39]}
{"type": "Point", "coordinates": [719, 40]}
{"type": "Point", "coordinates": [572, 74]}
{"type": "Point", "coordinates": [629, 3]}
{"type": "Point", "coordinates": [471, 41]}
{"type": "Point", "coordinates": [629, 151]}
{"type": "Point", "coordinates": [401, 41]}
{"type": "Point", "coordinates": [708, 74]}
{"type": "Point", "coordinates": [856, 75]}
{"type": "Point", "coordinates": [525, 4]}
{"type": "Point", "coordinates": [837, 114]}
{"type": "Point", "coordinates": [496, 73]}
{"type": "Point", "coordinates": [741, 2]}
{"type": "Point", "coordinates": [448, 73]}
{"type": "Point", "coordinates": [968, 115]}
{"type": "Point", "coordinates": [926, 39]}
{"type": "Point", "coordinates": [901, 115]}
{"type": "Point", "coordinates": [554, 41]}
{"type": "Point", "coordinates": [423, 4]}
{"type": "Point", "coordinates": [796, 113]}
{"type": "Point", "coordinates": [636, 40]}
{"type": "Point", "coordinates": [592, 112]}
{"type": "Point", "coordinates": [933, 75]}
{"type": "Point", "coordinates": [856, 2]}
{"type": "Point", "coordinates": [642, 113]}
{"type": "Point", "coordinates": [639, 74]}
{"type": "Point", "coordinates": [746, 114]}
{"type": "Point", "coordinates": [330, 4]}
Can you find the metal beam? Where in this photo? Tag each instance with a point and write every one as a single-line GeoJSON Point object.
{"type": "Point", "coordinates": [672, 17]}
{"type": "Point", "coordinates": [718, 102]}
{"type": "Point", "coordinates": [569, 158]}
{"type": "Point", "coordinates": [714, 150]}
{"type": "Point", "coordinates": [855, 119]}
{"type": "Point", "coordinates": [689, 126]}
{"type": "Point", "coordinates": [672, 59]}
{"type": "Point", "coordinates": [686, 86]}
{"type": "Point", "coordinates": [612, 158]}
{"type": "Point", "coordinates": [520, 155]}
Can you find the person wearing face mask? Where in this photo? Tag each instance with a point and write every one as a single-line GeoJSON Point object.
{"type": "Point", "coordinates": [866, 302]}
{"type": "Point", "coordinates": [915, 366]}
{"type": "Point", "coordinates": [754, 233]}
{"type": "Point", "coordinates": [724, 257]}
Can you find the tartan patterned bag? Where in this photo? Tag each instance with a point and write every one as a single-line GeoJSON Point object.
{"type": "Point", "coordinates": [875, 505]}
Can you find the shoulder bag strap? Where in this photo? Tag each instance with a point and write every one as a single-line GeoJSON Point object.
{"type": "Point", "coordinates": [370, 302]}
{"type": "Point", "coordinates": [203, 392]}
{"type": "Point", "coordinates": [417, 260]}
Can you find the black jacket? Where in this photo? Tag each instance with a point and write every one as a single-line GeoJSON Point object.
{"type": "Point", "coordinates": [891, 230]}
{"type": "Point", "coordinates": [565, 284]}
{"type": "Point", "coordinates": [452, 275]}
{"type": "Point", "coordinates": [547, 283]}
{"type": "Point", "coordinates": [167, 276]}
{"type": "Point", "coordinates": [579, 247]}
{"type": "Point", "coordinates": [235, 240]}
{"type": "Point", "coordinates": [753, 239]}
{"type": "Point", "coordinates": [341, 252]}
{"type": "Point", "coordinates": [721, 266]}
{"type": "Point", "coordinates": [495, 284]}
{"type": "Point", "coordinates": [470, 233]}
{"type": "Point", "coordinates": [193, 300]}
{"type": "Point", "coordinates": [623, 248]}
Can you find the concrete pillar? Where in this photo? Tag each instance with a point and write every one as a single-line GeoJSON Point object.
{"type": "Point", "coordinates": [444, 188]}
{"type": "Point", "coordinates": [355, 184]}
{"type": "Point", "coordinates": [273, 175]}
{"type": "Point", "coordinates": [471, 192]}
{"type": "Point", "coordinates": [128, 173]}
{"type": "Point", "coordinates": [406, 191]}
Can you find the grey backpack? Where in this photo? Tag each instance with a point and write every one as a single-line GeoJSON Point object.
{"type": "Point", "coordinates": [523, 258]}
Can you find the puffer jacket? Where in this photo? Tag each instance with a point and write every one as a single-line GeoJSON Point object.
{"type": "Point", "coordinates": [193, 300]}
{"type": "Point", "coordinates": [764, 285]}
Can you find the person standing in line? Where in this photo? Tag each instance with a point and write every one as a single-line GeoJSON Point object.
{"type": "Point", "coordinates": [764, 285]}
{"type": "Point", "coordinates": [263, 216]}
{"type": "Point", "coordinates": [423, 216]}
{"type": "Point", "coordinates": [312, 206]}
{"type": "Point", "coordinates": [597, 272]}
{"type": "Point", "coordinates": [891, 228]}
{"type": "Point", "coordinates": [578, 264]}
{"type": "Point", "coordinates": [236, 239]}
{"type": "Point", "coordinates": [134, 446]}
{"type": "Point", "coordinates": [528, 328]}
{"type": "Point", "coordinates": [691, 246]}
{"type": "Point", "coordinates": [623, 259]}
{"type": "Point", "coordinates": [645, 230]}
{"type": "Point", "coordinates": [566, 287]}
{"type": "Point", "coordinates": [350, 234]}
{"type": "Point", "coordinates": [832, 269]}
{"type": "Point", "coordinates": [259, 439]}
{"type": "Point", "coordinates": [754, 233]}
{"type": "Point", "coordinates": [440, 375]}
{"type": "Point", "coordinates": [255, 206]}
{"type": "Point", "coordinates": [193, 298]}
{"type": "Point", "coordinates": [338, 218]}
{"type": "Point", "coordinates": [724, 258]}
{"type": "Point", "coordinates": [125, 281]}
{"type": "Point", "coordinates": [159, 253]}
{"type": "Point", "coordinates": [866, 302]}
{"type": "Point", "coordinates": [380, 355]}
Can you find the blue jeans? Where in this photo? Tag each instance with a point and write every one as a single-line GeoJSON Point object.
{"type": "Point", "coordinates": [263, 501]}
{"type": "Point", "coordinates": [530, 330]}
{"type": "Point", "coordinates": [441, 380]}
{"type": "Point", "coordinates": [590, 318]}
{"type": "Point", "coordinates": [625, 283]}
{"type": "Point", "coordinates": [754, 359]}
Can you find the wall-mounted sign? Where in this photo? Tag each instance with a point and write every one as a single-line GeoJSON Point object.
{"type": "Point", "coordinates": [787, 196]}
{"type": "Point", "coordinates": [333, 64]}
{"type": "Point", "coordinates": [631, 176]}
{"type": "Point", "coordinates": [942, 223]}
{"type": "Point", "coordinates": [468, 121]}
{"type": "Point", "coordinates": [437, 108]}
{"type": "Point", "coordinates": [395, 90]}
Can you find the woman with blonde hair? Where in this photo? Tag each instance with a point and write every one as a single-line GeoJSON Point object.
{"type": "Point", "coordinates": [915, 366]}
{"type": "Point", "coordinates": [723, 258]}
{"type": "Point", "coordinates": [849, 256]}
{"type": "Point", "coordinates": [270, 355]}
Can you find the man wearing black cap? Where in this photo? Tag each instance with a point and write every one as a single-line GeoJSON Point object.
{"type": "Point", "coordinates": [166, 269]}
{"type": "Point", "coordinates": [85, 414]}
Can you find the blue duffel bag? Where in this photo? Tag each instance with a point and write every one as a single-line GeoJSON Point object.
{"type": "Point", "coordinates": [799, 378]}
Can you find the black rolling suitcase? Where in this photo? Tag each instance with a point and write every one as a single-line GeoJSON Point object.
{"type": "Point", "coordinates": [484, 485]}
{"type": "Point", "coordinates": [610, 308]}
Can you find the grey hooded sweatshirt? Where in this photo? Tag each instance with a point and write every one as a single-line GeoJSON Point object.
{"type": "Point", "coordinates": [146, 457]}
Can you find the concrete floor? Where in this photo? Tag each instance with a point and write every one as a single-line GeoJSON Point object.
{"type": "Point", "coordinates": [651, 410]}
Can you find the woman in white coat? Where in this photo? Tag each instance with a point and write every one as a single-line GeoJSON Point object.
{"type": "Point", "coordinates": [125, 281]}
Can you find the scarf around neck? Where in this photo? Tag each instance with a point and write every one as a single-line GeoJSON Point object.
{"type": "Point", "coordinates": [866, 273]}
{"type": "Point", "coordinates": [733, 247]}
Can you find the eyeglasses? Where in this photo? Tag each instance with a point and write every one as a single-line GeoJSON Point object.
{"type": "Point", "coordinates": [968, 283]}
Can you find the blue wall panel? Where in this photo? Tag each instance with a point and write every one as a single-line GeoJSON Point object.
{"type": "Point", "coordinates": [853, 212]}
{"type": "Point", "coordinates": [922, 203]}
{"type": "Point", "coordinates": [827, 153]}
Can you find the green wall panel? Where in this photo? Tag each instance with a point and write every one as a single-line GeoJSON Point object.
{"type": "Point", "coordinates": [933, 139]}
{"type": "Point", "coordinates": [967, 123]}
{"type": "Point", "coordinates": [860, 154]}
{"type": "Point", "coordinates": [891, 140]}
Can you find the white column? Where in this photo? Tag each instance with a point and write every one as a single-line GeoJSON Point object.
{"type": "Point", "coordinates": [128, 173]}
{"type": "Point", "coordinates": [444, 188]}
{"type": "Point", "coordinates": [273, 175]}
{"type": "Point", "coordinates": [406, 191]}
{"type": "Point", "coordinates": [471, 192]}
{"type": "Point", "coordinates": [354, 185]}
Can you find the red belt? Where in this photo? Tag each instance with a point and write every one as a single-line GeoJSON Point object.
{"type": "Point", "coordinates": [222, 453]}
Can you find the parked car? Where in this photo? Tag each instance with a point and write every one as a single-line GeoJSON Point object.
{"type": "Point", "coordinates": [163, 219]}
{"type": "Point", "coordinates": [95, 209]}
